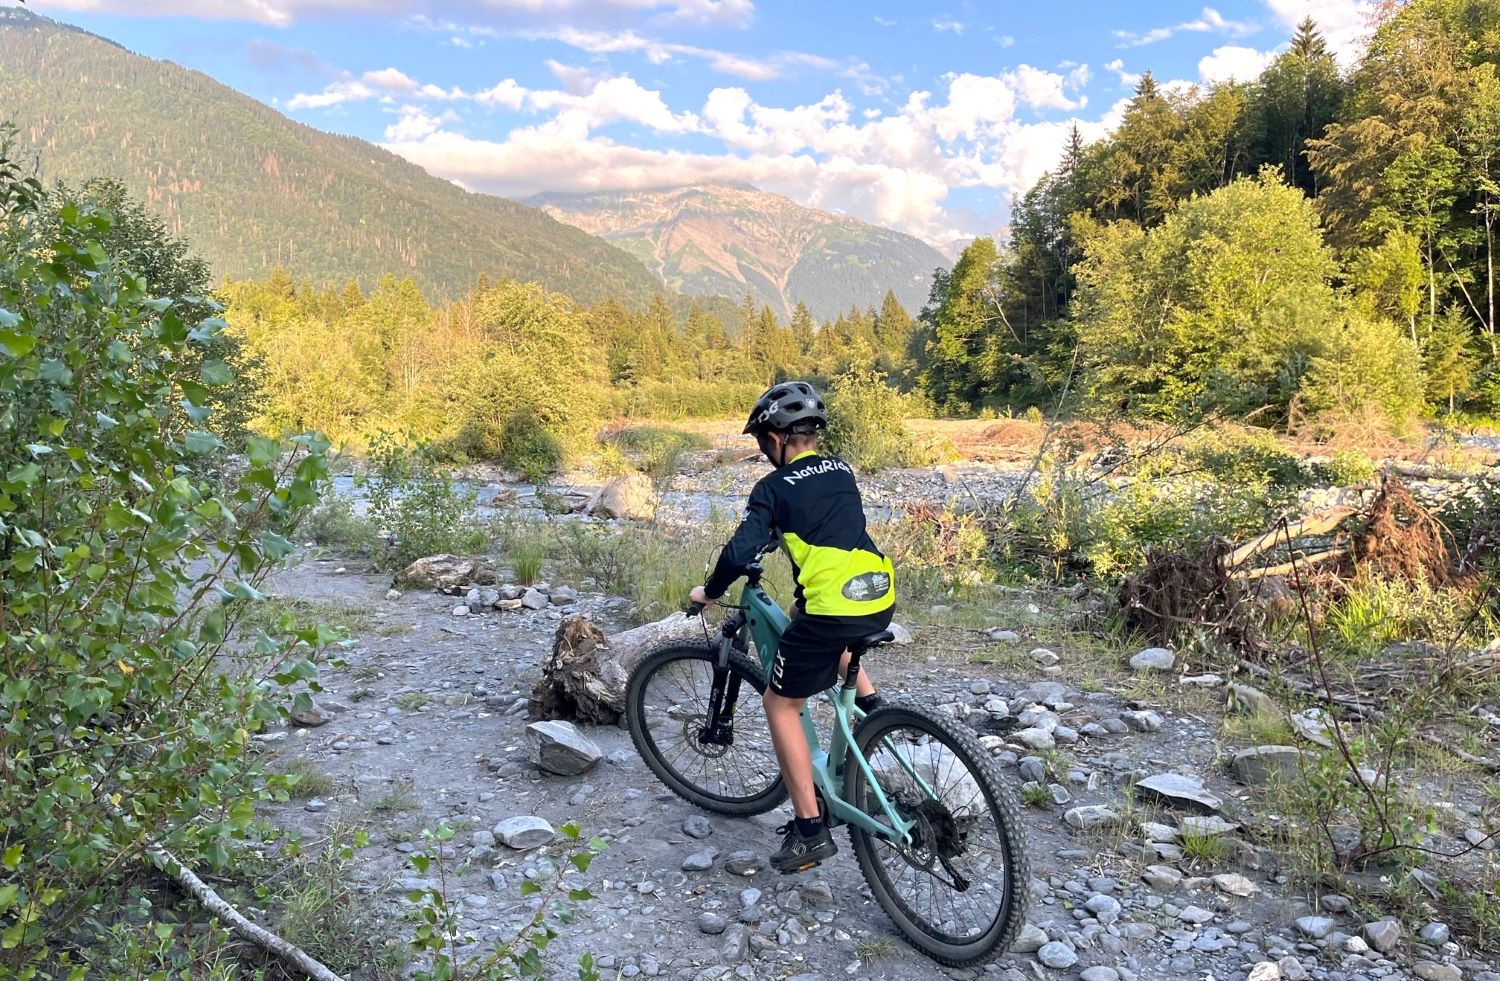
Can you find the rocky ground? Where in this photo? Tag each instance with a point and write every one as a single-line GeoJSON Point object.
{"type": "Point", "coordinates": [427, 722]}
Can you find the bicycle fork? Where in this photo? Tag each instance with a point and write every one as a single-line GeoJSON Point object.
{"type": "Point", "coordinates": [723, 698]}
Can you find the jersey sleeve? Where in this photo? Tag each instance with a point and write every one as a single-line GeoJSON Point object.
{"type": "Point", "coordinates": [756, 532]}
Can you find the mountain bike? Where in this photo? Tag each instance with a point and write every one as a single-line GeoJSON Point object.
{"type": "Point", "coordinates": [935, 825]}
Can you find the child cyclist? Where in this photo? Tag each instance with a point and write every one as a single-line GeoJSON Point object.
{"type": "Point", "coordinates": [845, 589]}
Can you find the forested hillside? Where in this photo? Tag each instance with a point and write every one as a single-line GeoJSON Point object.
{"type": "Point", "coordinates": [730, 240]}
{"type": "Point", "coordinates": [1310, 245]}
{"type": "Point", "coordinates": [253, 190]}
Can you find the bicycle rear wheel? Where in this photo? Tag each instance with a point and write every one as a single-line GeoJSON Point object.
{"type": "Point", "coordinates": [666, 707]}
{"type": "Point", "coordinates": [959, 891]}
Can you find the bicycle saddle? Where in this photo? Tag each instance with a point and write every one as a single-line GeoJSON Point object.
{"type": "Point", "coordinates": [874, 640]}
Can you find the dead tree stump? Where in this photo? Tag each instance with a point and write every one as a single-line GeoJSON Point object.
{"type": "Point", "coordinates": [585, 676]}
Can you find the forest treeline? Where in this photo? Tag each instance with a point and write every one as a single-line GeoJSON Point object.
{"type": "Point", "coordinates": [1309, 250]}
{"type": "Point", "coordinates": [1308, 245]}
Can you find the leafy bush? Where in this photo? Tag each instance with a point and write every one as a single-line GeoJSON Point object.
{"type": "Point", "coordinates": [1248, 455]}
{"type": "Point", "coordinates": [1368, 366]}
{"type": "Point", "coordinates": [522, 443]}
{"type": "Point", "coordinates": [659, 450]}
{"type": "Point", "coordinates": [414, 502]}
{"type": "Point", "coordinates": [867, 425]}
{"type": "Point", "coordinates": [1345, 468]}
{"type": "Point", "coordinates": [529, 448]}
{"type": "Point", "coordinates": [127, 568]}
{"type": "Point", "coordinates": [335, 522]}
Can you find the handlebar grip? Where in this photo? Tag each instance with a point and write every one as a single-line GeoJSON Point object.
{"type": "Point", "coordinates": [693, 609]}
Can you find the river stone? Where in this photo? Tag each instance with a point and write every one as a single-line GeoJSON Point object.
{"type": "Point", "coordinates": [1034, 737]}
{"type": "Point", "coordinates": [482, 597]}
{"type": "Point", "coordinates": [902, 635]}
{"type": "Point", "coordinates": [629, 497]}
{"type": "Point", "coordinates": [697, 826]}
{"type": "Point", "coordinates": [1180, 790]}
{"type": "Point", "coordinates": [534, 599]}
{"type": "Point", "coordinates": [524, 831]}
{"type": "Point", "coordinates": [1144, 721]}
{"type": "Point", "coordinates": [1434, 933]}
{"type": "Point", "coordinates": [1030, 940]}
{"type": "Point", "coordinates": [1057, 955]}
{"type": "Point", "coordinates": [1162, 877]}
{"type": "Point", "coordinates": [1428, 971]}
{"type": "Point", "coordinates": [712, 924]}
{"type": "Point", "coordinates": [1235, 884]}
{"type": "Point", "coordinates": [1383, 935]}
{"type": "Point", "coordinates": [1100, 973]}
{"type": "Point", "coordinates": [1252, 700]}
{"type": "Point", "coordinates": [447, 572]}
{"type": "Point", "coordinates": [1211, 826]}
{"type": "Point", "coordinates": [558, 747]}
{"type": "Point", "coordinates": [1310, 726]}
{"type": "Point", "coordinates": [1090, 816]}
{"type": "Point", "coordinates": [312, 716]}
{"type": "Point", "coordinates": [1153, 659]}
{"type": "Point", "coordinates": [1260, 765]}
{"type": "Point", "coordinates": [1316, 927]}
{"type": "Point", "coordinates": [562, 595]}
{"type": "Point", "coordinates": [743, 863]}
{"type": "Point", "coordinates": [1264, 971]}
{"type": "Point", "coordinates": [698, 861]}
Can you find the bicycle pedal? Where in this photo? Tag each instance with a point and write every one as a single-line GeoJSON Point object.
{"type": "Point", "coordinates": [801, 868]}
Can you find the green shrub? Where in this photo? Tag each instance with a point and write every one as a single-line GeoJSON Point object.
{"type": "Point", "coordinates": [527, 564]}
{"type": "Point", "coordinates": [522, 444]}
{"type": "Point", "coordinates": [414, 502]}
{"type": "Point", "coordinates": [334, 522]}
{"type": "Point", "coordinates": [1345, 468]}
{"type": "Point", "coordinates": [659, 450]}
{"type": "Point", "coordinates": [127, 568]}
{"type": "Point", "coordinates": [1370, 368]}
{"type": "Point", "coordinates": [867, 425]}
{"type": "Point", "coordinates": [1247, 456]}
{"type": "Point", "coordinates": [529, 448]}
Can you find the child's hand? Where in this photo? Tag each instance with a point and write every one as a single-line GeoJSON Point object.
{"type": "Point", "coordinates": [699, 596]}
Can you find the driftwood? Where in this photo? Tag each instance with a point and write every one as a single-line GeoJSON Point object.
{"type": "Point", "coordinates": [1286, 568]}
{"type": "Point", "coordinates": [585, 676]}
{"type": "Point", "coordinates": [1314, 524]}
{"type": "Point", "coordinates": [288, 953]}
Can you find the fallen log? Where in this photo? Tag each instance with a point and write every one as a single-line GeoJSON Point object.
{"type": "Point", "coordinates": [1314, 524]}
{"type": "Point", "coordinates": [585, 676]}
{"type": "Point", "coordinates": [1286, 568]}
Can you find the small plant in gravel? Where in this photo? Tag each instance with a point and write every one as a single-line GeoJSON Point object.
{"type": "Point", "coordinates": [527, 564]}
{"type": "Point", "coordinates": [1204, 849]}
{"type": "Point", "coordinates": [412, 701]}
{"type": "Point", "coordinates": [874, 947]}
{"type": "Point", "coordinates": [304, 779]}
{"type": "Point", "coordinates": [401, 797]}
{"type": "Point", "coordinates": [440, 931]}
{"type": "Point", "coordinates": [1035, 795]}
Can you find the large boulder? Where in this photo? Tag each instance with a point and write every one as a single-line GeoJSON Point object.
{"type": "Point", "coordinates": [1177, 790]}
{"type": "Point", "coordinates": [448, 572]}
{"type": "Point", "coordinates": [629, 497]}
{"type": "Point", "coordinates": [558, 747]}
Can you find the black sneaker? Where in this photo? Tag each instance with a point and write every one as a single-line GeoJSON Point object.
{"type": "Point", "coordinates": [798, 854]}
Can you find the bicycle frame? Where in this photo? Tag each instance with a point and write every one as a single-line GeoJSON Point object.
{"type": "Point", "coordinates": [767, 622]}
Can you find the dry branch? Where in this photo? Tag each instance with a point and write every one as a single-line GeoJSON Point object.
{"type": "Point", "coordinates": [266, 940]}
{"type": "Point", "coordinates": [1286, 568]}
{"type": "Point", "coordinates": [586, 674]}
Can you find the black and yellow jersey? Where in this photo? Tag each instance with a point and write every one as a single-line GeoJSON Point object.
{"type": "Point", "coordinates": [813, 504]}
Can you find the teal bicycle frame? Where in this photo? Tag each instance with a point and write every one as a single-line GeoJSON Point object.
{"type": "Point", "coordinates": [767, 622]}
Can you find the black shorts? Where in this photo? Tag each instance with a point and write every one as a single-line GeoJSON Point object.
{"type": "Point", "coordinates": [807, 661]}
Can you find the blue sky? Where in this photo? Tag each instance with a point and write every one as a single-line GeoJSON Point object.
{"type": "Point", "coordinates": [928, 118]}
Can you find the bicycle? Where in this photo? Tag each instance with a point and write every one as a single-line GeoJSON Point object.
{"type": "Point", "coordinates": [932, 819]}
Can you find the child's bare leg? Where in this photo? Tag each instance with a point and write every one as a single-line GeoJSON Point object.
{"type": "Point", "coordinates": [785, 718]}
{"type": "Point", "coordinates": [862, 685]}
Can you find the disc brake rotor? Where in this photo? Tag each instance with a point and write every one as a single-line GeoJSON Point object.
{"type": "Point", "coordinates": [692, 730]}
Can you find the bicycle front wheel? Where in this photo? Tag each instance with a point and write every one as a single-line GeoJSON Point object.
{"type": "Point", "coordinates": [733, 771]}
{"type": "Point", "coordinates": [958, 890]}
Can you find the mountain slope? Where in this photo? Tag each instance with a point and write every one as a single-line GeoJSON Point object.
{"type": "Point", "coordinates": [250, 188]}
{"type": "Point", "coordinates": [733, 239]}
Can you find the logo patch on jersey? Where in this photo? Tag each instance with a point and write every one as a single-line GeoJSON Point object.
{"type": "Point", "coordinates": [869, 586]}
{"type": "Point", "coordinates": [813, 469]}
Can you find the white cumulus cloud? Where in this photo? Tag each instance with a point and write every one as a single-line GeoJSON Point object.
{"type": "Point", "coordinates": [1209, 21]}
{"type": "Point", "coordinates": [1345, 24]}
{"type": "Point", "coordinates": [1233, 62]}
